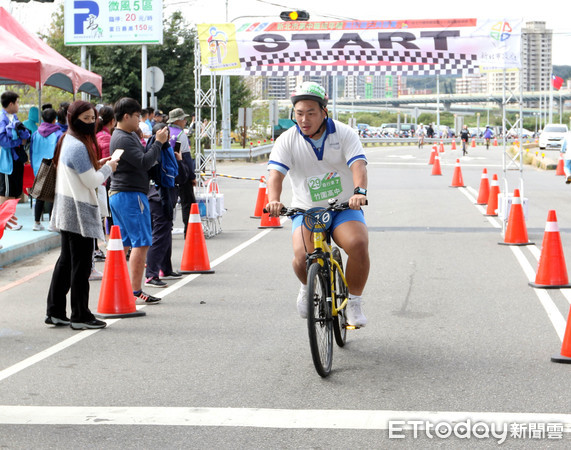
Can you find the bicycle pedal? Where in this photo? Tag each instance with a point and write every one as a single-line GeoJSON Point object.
{"type": "Point", "coordinates": [351, 327]}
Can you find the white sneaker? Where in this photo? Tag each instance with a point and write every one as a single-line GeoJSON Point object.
{"type": "Point", "coordinates": [95, 275]}
{"type": "Point", "coordinates": [52, 229]}
{"type": "Point", "coordinates": [38, 227]}
{"type": "Point", "coordinates": [302, 302]}
{"type": "Point", "coordinates": [355, 316]}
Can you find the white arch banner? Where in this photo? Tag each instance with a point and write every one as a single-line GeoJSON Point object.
{"type": "Point", "coordinates": [383, 47]}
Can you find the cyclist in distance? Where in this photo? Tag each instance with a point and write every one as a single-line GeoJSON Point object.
{"type": "Point", "coordinates": [325, 160]}
{"type": "Point", "coordinates": [487, 136]}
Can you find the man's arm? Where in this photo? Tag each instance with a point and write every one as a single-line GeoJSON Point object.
{"type": "Point", "coordinates": [359, 170]}
{"type": "Point", "coordinates": [275, 183]}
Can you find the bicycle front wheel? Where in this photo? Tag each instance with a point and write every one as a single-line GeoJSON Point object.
{"type": "Point", "coordinates": [319, 323]}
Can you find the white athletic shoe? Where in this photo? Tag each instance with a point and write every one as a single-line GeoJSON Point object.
{"type": "Point", "coordinates": [302, 302]}
{"type": "Point", "coordinates": [355, 316]}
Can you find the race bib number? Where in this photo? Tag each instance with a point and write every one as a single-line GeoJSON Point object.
{"type": "Point", "coordinates": [325, 186]}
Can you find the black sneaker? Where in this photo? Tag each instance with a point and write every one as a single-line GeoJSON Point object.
{"type": "Point", "coordinates": [51, 320]}
{"type": "Point", "coordinates": [98, 255]}
{"type": "Point", "coordinates": [148, 299]}
{"type": "Point", "coordinates": [91, 325]}
{"type": "Point", "coordinates": [172, 276]}
{"type": "Point", "coordinates": [155, 282]}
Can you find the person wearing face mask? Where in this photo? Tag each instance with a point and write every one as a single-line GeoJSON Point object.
{"type": "Point", "coordinates": [76, 214]}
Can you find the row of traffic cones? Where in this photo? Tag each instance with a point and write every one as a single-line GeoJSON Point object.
{"type": "Point", "coordinates": [116, 299]}
{"type": "Point", "coordinates": [552, 269]}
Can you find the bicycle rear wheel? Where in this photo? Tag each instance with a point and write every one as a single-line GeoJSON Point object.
{"type": "Point", "coordinates": [341, 293]}
{"type": "Point", "coordinates": [319, 323]}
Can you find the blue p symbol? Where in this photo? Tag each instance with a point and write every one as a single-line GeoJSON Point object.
{"type": "Point", "coordinates": [92, 8]}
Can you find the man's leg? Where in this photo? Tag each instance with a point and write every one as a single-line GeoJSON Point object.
{"type": "Point", "coordinates": [353, 238]}
{"type": "Point", "coordinates": [302, 242]}
{"type": "Point", "coordinates": [137, 266]}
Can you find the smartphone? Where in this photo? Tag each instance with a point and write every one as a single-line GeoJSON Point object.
{"type": "Point", "coordinates": [117, 154]}
{"type": "Point", "coordinates": [177, 147]}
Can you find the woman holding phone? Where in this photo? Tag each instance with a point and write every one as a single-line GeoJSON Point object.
{"type": "Point", "coordinates": [76, 214]}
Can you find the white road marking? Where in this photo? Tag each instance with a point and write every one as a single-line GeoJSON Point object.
{"type": "Point", "coordinates": [258, 417]}
{"type": "Point", "coordinates": [28, 362]}
{"type": "Point", "coordinates": [546, 301]}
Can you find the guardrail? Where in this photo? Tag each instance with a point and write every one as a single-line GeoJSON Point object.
{"type": "Point", "coordinates": [253, 153]}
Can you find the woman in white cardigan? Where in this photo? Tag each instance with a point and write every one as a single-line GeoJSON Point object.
{"type": "Point", "coordinates": [76, 214]}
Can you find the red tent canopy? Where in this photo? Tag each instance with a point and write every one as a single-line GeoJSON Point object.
{"type": "Point", "coordinates": [26, 59]}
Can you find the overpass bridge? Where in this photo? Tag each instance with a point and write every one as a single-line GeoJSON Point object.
{"type": "Point", "coordinates": [446, 100]}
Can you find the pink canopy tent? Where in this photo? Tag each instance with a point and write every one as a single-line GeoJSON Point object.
{"type": "Point", "coordinates": [26, 59]}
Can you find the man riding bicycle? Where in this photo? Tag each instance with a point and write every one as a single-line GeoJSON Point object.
{"type": "Point", "coordinates": [325, 160]}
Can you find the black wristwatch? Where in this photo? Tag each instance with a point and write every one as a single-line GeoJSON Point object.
{"type": "Point", "coordinates": [360, 190]}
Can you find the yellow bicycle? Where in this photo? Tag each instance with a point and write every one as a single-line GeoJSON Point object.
{"type": "Point", "coordinates": [327, 288]}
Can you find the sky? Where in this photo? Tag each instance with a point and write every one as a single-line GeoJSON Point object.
{"type": "Point", "coordinates": [555, 13]}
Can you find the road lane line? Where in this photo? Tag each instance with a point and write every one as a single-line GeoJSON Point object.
{"type": "Point", "coordinates": [480, 208]}
{"type": "Point", "coordinates": [262, 417]}
{"type": "Point", "coordinates": [550, 308]}
{"type": "Point", "coordinates": [30, 361]}
{"type": "Point", "coordinates": [553, 313]}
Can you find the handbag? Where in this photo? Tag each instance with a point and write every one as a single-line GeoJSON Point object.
{"type": "Point", "coordinates": [44, 186]}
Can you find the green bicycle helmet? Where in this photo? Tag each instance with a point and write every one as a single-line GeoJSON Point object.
{"type": "Point", "coordinates": [309, 90]}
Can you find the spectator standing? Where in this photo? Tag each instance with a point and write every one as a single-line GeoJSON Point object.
{"type": "Point", "coordinates": [13, 136]}
{"type": "Point", "coordinates": [170, 172]}
{"type": "Point", "coordinates": [129, 189]}
{"type": "Point", "coordinates": [76, 215]}
{"type": "Point", "coordinates": [429, 131]}
{"type": "Point", "coordinates": [43, 145]}
{"type": "Point", "coordinates": [62, 116]}
{"type": "Point", "coordinates": [33, 120]}
{"type": "Point", "coordinates": [144, 126]}
{"type": "Point", "coordinates": [177, 121]}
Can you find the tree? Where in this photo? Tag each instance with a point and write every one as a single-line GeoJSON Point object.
{"type": "Point", "coordinates": [119, 66]}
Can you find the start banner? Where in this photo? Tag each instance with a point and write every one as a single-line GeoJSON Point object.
{"type": "Point", "coordinates": [383, 47]}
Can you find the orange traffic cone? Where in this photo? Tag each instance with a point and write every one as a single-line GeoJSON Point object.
{"type": "Point", "coordinates": [441, 148]}
{"type": "Point", "coordinates": [493, 197]}
{"type": "Point", "coordinates": [457, 179]}
{"type": "Point", "coordinates": [116, 297]}
{"type": "Point", "coordinates": [195, 254]}
{"type": "Point", "coordinates": [560, 169]}
{"type": "Point", "coordinates": [436, 167]}
{"type": "Point", "coordinates": [453, 146]}
{"type": "Point", "coordinates": [495, 144]}
{"type": "Point", "coordinates": [516, 232]}
{"type": "Point", "coordinates": [473, 142]}
{"type": "Point", "coordinates": [552, 270]}
{"type": "Point", "coordinates": [267, 221]}
{"type": "Point", "coordinates": [484, 191]}
{"type": "Point", "coordinates": [565, 355]}
{"type": "Point", "coordinates": [259, 209]}
{"type": "Point", "coordinates": [432, 156]}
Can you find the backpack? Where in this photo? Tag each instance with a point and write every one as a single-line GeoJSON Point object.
{"type": "Point", "coordinates": [165, 170]}
{"type": "Point", "coordinates": [168, 167]}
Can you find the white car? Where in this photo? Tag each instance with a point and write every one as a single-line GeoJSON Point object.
{"type": "Point", "coordinates": [552, 136]}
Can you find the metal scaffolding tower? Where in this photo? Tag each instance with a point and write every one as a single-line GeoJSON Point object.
{"type": "Point", "coordinates": [205, 158]}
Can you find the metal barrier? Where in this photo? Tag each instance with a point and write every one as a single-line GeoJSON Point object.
{"type": "Point", "coordinates": [255, 152]}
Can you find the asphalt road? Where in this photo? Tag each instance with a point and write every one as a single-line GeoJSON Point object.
{"type": "Point", "coordinates": [455, 334]}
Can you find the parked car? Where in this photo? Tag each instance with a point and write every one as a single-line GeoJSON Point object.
{"type": "Point", "coordinates": [515, 133]}
{"type": "Point", "coordinates": [552, 136]}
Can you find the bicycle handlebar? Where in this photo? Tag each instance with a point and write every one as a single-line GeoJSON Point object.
{"type": "Point", "coordinates": [334, 207]}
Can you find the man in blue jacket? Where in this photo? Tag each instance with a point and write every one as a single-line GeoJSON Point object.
{"type": "Point", "coordinates": [13, 137]}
